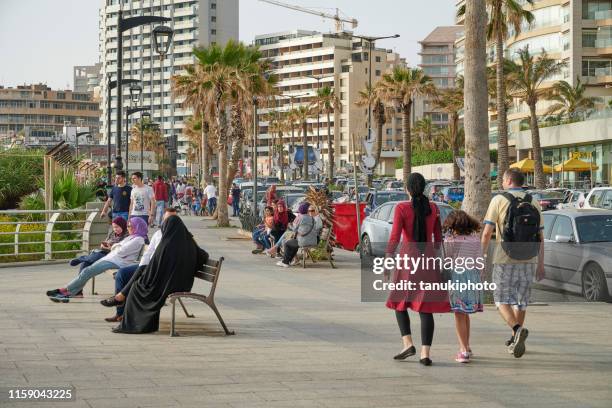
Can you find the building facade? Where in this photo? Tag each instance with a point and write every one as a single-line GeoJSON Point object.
{"type": "Point", "coordinates": [339, 61]}
{"type": "Point", "coordinates": [31, 114]}
{"type": "Point", "coordinates": [438, 62]}
{"type": "Point", "coordinates": [86, 78]}
{"type": "Point", "coordinates": [195, 23]}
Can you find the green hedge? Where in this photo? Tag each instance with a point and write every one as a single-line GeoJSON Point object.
{"type": "Point", "coordinates": [422, 158]}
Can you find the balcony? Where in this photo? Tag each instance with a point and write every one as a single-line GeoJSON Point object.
{"type": "Point", "coordinates": [603, 76]}
{"type": "Point", "coordinates": [603, 15]}
{"type": "Point", "coordinates": [604, 46]}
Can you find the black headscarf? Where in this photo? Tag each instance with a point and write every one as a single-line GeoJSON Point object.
{"type": "Point", "coordinates": [171, 269]}
{"type": "Point", "coordinates": [420, 205]}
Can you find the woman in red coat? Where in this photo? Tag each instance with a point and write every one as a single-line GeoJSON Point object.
{"type": "Point", "coordinates": [418, 222]}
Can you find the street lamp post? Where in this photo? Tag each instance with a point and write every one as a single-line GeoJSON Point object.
{"type": "Point", "coordinates": [254, 156]}
{"type": "Point", "coordinates": [122, 26]}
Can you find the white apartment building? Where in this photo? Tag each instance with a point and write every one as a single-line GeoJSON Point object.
{"type": "Point", "coordinates": [341, 61]}
{"type": "Point", "coordinates": [195, 23]}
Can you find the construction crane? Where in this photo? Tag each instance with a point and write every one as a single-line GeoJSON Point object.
{"type": "Point", "coordinates": [336, 17]}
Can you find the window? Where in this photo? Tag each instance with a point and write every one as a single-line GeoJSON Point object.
{"type": "Point", "coordinates": [213, 6]}
{"type": "Point", "coordinates": [378, 58]}
{"type": "Point", "coordinates": [435, 59]}
{"type": "Point", "coordinates": [435, 48]}
{"type": "Point", "coordinates": [596, 198]}
{"type": "Point", "coordinates": [563, 226]}
{"type": "Point", "coordinates": [595, 9]}
{"type": "Point", "coordinates": [436, 70]}
{"type": "Point", "coordinates": [389, 131]}
{"type": "Point", "coordinates": [377, 72]}
{"type": "Point", "coordinates": [548, 223]}
{"type": "Point", "coordinates": [384, 212]}
{"type": "Point", "coordinates": [213, 32]}
{"type": "Point", "coordinates": [596, 67]}
{"type": "Point", "coordinates": [61, 95]}
{"type": "Point", "coordinates": [213, 19]}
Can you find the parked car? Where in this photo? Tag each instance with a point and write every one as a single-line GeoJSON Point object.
{"type": "Point", "coordinates": [575, 199]}
{"type": "Point", "coordinates": [599, 197]}
{"type": "Point", "coordinates": [578, 252]}
{"type": "Point", "coordinates": [281, 193]}
{"type": "Point", "coordinates": [434, 187]}
{"type": "Point", "coordinates": [376, 228]}
{"type": "Point", "coordinates": [376, 198]}
{"type": "Point", "coordinates": [294, 200]}
{"type": "Point", "coordinates": [268, 181]}
{"type": "Point", "coordinates": [394, 185]}
{"type": "Point", "coordinates": [548, 199]}
{"type": "Point", "coordinates": [452, 193]}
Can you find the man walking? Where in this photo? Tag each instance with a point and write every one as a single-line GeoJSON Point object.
{"type": "Point", "coordinates": [143, 199]}
{"type": "Point", "coordinates": [518, 256]}
{"type": "Point", "coordinates": [235, 200]}
{"type": "Point", "coordinates": [211, 196]}
{"type": "Point", "coordinates": [161, 199]}
{"type": "Point", "coordinates": [119, 197]}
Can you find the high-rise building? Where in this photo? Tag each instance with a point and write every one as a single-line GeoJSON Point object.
{"type": "Point", "coordinates": [577, 32]}
{"type": "Point", "coordinates": [86, 78]}
{"type": "Point", "coordinates": [339, 61]}
{"type": "Point", "coordinates": [438, 62]}
{"type": "Point", "coordinates": [195, 23]}
{"type": "Point", "coordinates": [36, 114]}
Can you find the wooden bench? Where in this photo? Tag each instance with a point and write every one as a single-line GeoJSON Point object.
{"type": "Point", "coordinates": [209, 273]}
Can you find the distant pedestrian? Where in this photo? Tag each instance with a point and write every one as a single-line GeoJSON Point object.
{"type": "Point", "coordinates": [119, 197]}
{"type": "Point", "coordinates": [235, 199]}
{"type": "Point", "coordinates": [518, 256]}
{"type": "Point", "coordinates": [142, 200]}
{"type": "Point", "coordinates": [161, 199]}
{"type": "Point", "coordinates": [211, 197]}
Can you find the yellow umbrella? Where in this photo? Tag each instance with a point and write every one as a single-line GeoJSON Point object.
{"type": "Point", "coordinates": [575, 164]}
{"type": "Point", "coordinates": [528, 166]}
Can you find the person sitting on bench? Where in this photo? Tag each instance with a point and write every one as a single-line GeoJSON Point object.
{"type": "Point", "coordinates": [126, 276]}
{"type": "Point", "coordinates": [171, 269]}
{"type": "Point", "coordinates": [122, 254]}
{"type": "Point", "coordinates": [306, 233]}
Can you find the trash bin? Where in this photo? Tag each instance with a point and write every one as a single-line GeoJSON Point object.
{"type": "Point", "coordinates": [345, 224]}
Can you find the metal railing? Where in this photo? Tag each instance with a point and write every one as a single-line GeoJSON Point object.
{"type": "Point", "coordinates": [40, 237]}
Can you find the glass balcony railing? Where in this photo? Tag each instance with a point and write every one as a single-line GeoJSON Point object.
{"type": "Point", "coordinates": [603, 42]}
{"type": "Point", "coordinates": [603, 71]}
{"type": "Point", "coordinates": [603, 14]}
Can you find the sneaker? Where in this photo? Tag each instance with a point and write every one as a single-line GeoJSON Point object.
{"type": "Point", "coordinates": [282, 264]}
{"type": "Point", "coordinates": [517, 348]}
{"type": "Point", "coordinates": [60, 298]}
{"type": "Point", "coordinates": [53, 292]}
{"type": "Point", "coordinates": [257, 251]}
{"type": "Point", "coordinates": [462, 357]}
{"type": "Point", "coordinates": [509, 341]}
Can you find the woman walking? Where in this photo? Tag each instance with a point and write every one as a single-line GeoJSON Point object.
{"type": "Point", "coordinates": [461, 241]}
{"type": "Point", "coordinates": [418, 222]}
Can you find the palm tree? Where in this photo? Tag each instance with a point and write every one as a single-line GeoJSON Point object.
{"type": "Point", "coordinates": [427, 132]}
{"type": "Point", "coordinates": [503, 14]}
{"type": "Point", "coordinates": [450, 101]}
{"type": "Point", "coordinates": [525, 81]}
{"type": "Point", "coordinates": [302, 114]}
{"type": "Point", "coordinates": [400, 87]}
{"type": "Point", "coordinates": [380, 113]}
{"type": "Point", "coordinates": [327, 101]}
{"type": "Point", "coordinates": [477, 163]}
{"type": "Point", "coordinates": [570, 100]}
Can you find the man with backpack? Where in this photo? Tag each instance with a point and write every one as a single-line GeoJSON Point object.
{"type": "Point", "coordinates": [518, 256]}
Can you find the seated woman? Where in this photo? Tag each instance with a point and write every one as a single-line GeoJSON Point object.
{"type": "Point", "coordinates": [306, 232]}
{"type": "Point", "coordinates": [171, 269]}
{"type": "Point", "coordinates": [117, 233]}
{"type": "Point", "coordinates": [122, 254]}
{"type": "Point", "coordinates": [279, 233]}
{"type": "Point", "coordinates": [261, 235]}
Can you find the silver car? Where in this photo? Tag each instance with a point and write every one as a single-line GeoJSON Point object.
{"type": "Point", "coordinates": [578, 252]}
{"type": "Point", "coordinates": [376, 227]}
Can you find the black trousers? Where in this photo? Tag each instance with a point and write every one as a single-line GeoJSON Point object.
{"type": "Point", "coordinates": [290, 251]}
{"type": "Point", "coordinates": [427, 326]}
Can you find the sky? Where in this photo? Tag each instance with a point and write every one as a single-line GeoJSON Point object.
{"type": "Point", "coordinates": [42, 40]}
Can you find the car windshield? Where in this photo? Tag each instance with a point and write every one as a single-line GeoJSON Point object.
{"type": "Point", "coordinates": [594, 228]}
{"type": "Point", "coordinates": [382, 198]}
{"type": "Point", "coordinates": [548, 195]}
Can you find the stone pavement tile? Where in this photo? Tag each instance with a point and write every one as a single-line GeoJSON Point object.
{"type": "Point", "coordinates": [111, 383]}
{"type": "Point", "coordinates": [135, 402]}
{"type": "Point", "coordinates": [225, 398]}
{"type": "Point", "coordinates": [279, 404]}
{"type": "Point", "coordinates": [195, 379]}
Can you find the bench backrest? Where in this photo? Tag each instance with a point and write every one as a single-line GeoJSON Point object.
{"type": "Point", "coordinates": [210, 273]}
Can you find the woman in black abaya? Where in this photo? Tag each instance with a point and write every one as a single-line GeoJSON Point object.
{"type": "Point", "coordinates": [171, 269]}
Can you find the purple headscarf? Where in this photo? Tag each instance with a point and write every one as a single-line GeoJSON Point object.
{"type": "Point", "coordinates": [139, 227]}
{"type": "Point", "coordinates": [303, 208]}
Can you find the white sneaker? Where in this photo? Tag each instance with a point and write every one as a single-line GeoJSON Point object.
{"type": "Point", "coordinates": [282, 264]}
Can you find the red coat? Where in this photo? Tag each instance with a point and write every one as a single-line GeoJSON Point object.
{"type": "Point", "coordinates": [161, 191]}
{"type": "Point", "coordinates": [417, 300]}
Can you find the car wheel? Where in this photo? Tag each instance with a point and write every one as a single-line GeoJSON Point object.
{"type": "Point", "coordinates": [366, 245]}
{"type": "Point", "coordinates": [594, 288]}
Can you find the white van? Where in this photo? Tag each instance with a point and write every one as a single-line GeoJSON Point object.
{"type": "Point", "coordinates": [599, 197]}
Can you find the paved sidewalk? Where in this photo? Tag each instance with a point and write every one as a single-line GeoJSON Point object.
{"type": "Point", "coordinates": [303, 339]}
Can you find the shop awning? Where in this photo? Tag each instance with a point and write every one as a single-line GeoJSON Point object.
{"type": "Point", "coordinates": [528, 166]}
{"type": "Point", "coordinates": [575, 164]}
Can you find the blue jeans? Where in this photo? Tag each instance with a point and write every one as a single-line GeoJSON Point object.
{"type": "Point", "coordinates": [159, 211]}
{"type": "Point", "coordinates": [261, 238]}
{"type": "Point", "coordinates": [123, 215]}
{"type": "Point", "coordinates": [77, 284]}
{"type": "Point", "coordinates": [88, 260]}
{"type": "Point", "coordinates": [236, 206]}
{"type": "Point", "coordinates": [212, 205]}
{"type": "Point", "coordinates": [122, 277]}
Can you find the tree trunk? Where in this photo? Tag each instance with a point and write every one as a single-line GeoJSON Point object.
{"type": "Point", "coordinates": [222, 213]}
{"type": "Point", "coordinates": [238, 135]}
{"type": "Point", "coordinates": [502, 117]}
{"type": "Point", "coordinates": [204, 153]}
{"type": "Point", "coordinates": [292, 152]}
{"type": "Point", "coordinates": [406, 141]}
{"type": "Point", "coordinates": [330, 150]}
{"type": "Point", "coordinates": [305, 146]}
{"type": "Point", "coordinates": [455, 145]}
{"type": "Point", "coordinates": [281, 156]}
{"type": "Point", "coordinates": [540, 180]}
{"type": "Point", "coordinates": [477, 167]}
{"type": "Point", "coordinates": [380, 121]}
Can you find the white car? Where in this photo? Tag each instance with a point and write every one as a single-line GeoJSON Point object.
{"type": "Point", "coordinates": [599, 197]}
{"type": "Point", "coordinates": [576, 199]}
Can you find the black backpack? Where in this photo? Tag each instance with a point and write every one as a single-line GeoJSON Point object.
{"type": "Point", "coordinates": [521, 234]}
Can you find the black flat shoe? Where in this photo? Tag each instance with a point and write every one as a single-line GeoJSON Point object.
{"type": "Point", "coordinates": [426, 361]}
{"type": "Point", "coordinates": [53, 292]}
{"type": "Point", "coordinates": [117, 329]}
{"type": "Point", "coordinates": [410, 351]}
{"type": "Point", "coordinates": [111, 302]}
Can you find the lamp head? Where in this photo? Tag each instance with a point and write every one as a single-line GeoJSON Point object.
{"type": "Point", "coordinates": [162, 36]}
